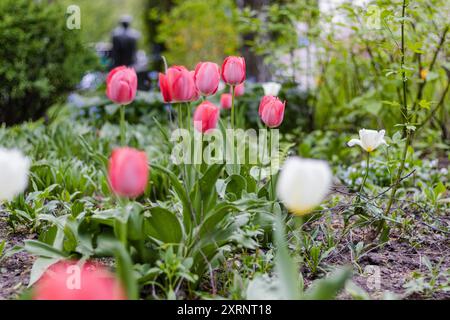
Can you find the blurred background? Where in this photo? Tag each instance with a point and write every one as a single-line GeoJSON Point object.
{"type": "Point", "coordinates": [333, 57]}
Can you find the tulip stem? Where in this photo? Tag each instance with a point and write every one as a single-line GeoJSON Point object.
{"type": "Point", "coordinates": [272, 185]}
{"type": "Point", "coordinates": [180, 115]}
{"type": "Point", "coordinates": [232, 107]}
{"type": "Point", "coordinates": [188, 119]}
{"type": "Point", "coordinates": [361, 188]}
{"type": "Point", "coordinates": [123, 129]}
{"type": "Point", "coordinates": [235, 165]}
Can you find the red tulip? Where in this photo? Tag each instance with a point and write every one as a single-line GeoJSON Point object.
{"type": "Point", "coordinates": [207, 77]}
{"type": "Point", "coordinates": [239, 90]}
{"type": "Point", "coordinates": [178, 85]}
{"type": "Point", "coordinates": [206, 116]}
{"type": "Point", "coordinates": [128, 172]}
{"type": "Point", "coordinates": [233, 70]}
{"type": "Point", "coordinates": [271, 111]}
{"type": "Point", "coordinates": [69, 281]}
{"type": "Point", "coordinates": [121, 85]}
{"type": "Point", "coordinates": [225, 100]}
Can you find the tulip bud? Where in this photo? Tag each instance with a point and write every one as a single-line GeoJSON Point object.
{"type": "Point", "coordinates": [303, 184]}
{"type": "Point", "coordinates": [233, 70]}
{"type": "Point", "coordinates": [239, 90]}
{"type": "Point", "coordinates": [271, 111]}
{"type": "Point", "coordinates": [207, 78]}
{"type": "Point", "coordinates": [178, 85]}
{"type": "Point", "coordinates": [128, 172]}
{"type": "Point", "coordinates": [206, 116]}
{"type": "Point", "coordinates": [225, 100]}
{"type": "Point", "coordinates": [14, 168]}
{"type": "Point", "coordinates": [69, 281]}
{"type": "Point", "coordinates": [369, 140]}
{"type": "Point", "coordinates": [121, 85]}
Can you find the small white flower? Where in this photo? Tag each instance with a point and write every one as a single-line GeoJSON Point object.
{"type": "Point", "coordinates": [303, 184]}
{"type": "Point", "coordinates": [14, 167]}
{"type": "Point", "coordinates": [271, 88]}
{"type": "Point", "coordinates": [369, 140]}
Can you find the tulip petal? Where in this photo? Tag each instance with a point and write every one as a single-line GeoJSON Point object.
{"type": "Point", "coordinates": [354, 142]}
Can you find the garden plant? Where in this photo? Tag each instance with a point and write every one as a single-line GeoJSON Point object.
{"type": "Point", "coordinates": [326, 180]}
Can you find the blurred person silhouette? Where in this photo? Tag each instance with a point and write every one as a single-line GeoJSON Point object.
{"type": "Point", "coordinates": [124, 43]}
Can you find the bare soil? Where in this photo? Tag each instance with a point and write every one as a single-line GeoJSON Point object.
{"type": "Point", "coordinates": [14, 270]}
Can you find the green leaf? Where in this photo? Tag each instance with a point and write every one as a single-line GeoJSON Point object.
{"type": "Point", "coordinates": [124, 268]}
{"type": "Point", "coordinates": [439, 189]}
{"type": "Point", "coordinates": [2, 247]}
{"type": "Point", "coordinates": [329, 287]}
{"type": "Point", "coordinates": [40, 266]}
{"type": "Point", "coordinates": [425, 104]}
{"type": "Point", "coordinates": [180, 192]}
{"type": "Point", "coordinates": [43, 250]}
{"type": "Point", "coordinates": [164, 226]}
{"type": "Point", "coordinates": [291, 281]}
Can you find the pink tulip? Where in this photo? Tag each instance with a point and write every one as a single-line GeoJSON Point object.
{"type": "Point", "coordinates": [271, 111]}
{"type": "Point", "coordinates": [207, 78]}
{"type": "Point", "coordinates": [121, 85]}
{"type": "Point", "coordinates": [68, 281]}
{"type": "Point", "coordinates": [239, 90]}
{"type": "Point", "coordinates": [206, 116]}
{"type": "Point", "coordinates": [128, 172]}
{"type": "Point", "coordinates": [178, 85]}
{"type": "Point", "coordinates": [225, 100]}
{"type": "Point", "coordinates": [233, 70]}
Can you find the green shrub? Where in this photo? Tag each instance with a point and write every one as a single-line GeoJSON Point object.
{"type": "Point", "coordinates": [199, 30]}
{"type": "Point", "coordinates": [41, 59]}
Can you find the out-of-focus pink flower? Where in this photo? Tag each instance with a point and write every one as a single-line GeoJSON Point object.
{"type": "Point", "coordinates": [128, 172]}
{"type": "Point", "coordinates": [271, 111]}
{"type": "Point", "coordinates": [67, 280]}
{"type": "Point", "coordinates": [225, 100]}
{"type": "Point", "coordinates": [121, 85]}
{"type": "Point", "coordinates": [178, 85]}
{"type": "Point", "coordinates": [207, 78]}
{"type": "Point", "coordinates": [206, 116]}
{"type": "Point", "coordinates": [233, 70]}
{"type": "Point", "coordinates": [239, 90]}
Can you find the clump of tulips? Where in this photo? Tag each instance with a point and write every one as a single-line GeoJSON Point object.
{"type": "Point", "coordinates": [302, 184]}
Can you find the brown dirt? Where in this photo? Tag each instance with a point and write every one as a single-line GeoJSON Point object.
{"type": "Point", "coordinates": [14, 270]}
{"type": "Point", "coordinates": [397, 259]}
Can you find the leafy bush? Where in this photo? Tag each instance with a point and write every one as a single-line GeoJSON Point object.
{"type": "Point", "coordinates": [41, 58]}
{"type": "Point", "coordinates": [199, 28]}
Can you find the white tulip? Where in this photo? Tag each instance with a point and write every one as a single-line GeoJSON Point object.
{"type": "Point", "coordinates": [303, 184]}
{"type": "Point", "coordinates": [369, 140]}
{"type": "Point", "coordinates": [14, 167]}
{"type": "Point", "coordinates": [271, 88]}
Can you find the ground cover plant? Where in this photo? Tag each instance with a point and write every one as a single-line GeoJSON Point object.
{"type": "Point", "coordinates": [211, 185]}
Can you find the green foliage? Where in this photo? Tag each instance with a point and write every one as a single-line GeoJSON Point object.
{"type": "Point", "coordinates": [100, 17]}
{"type": "Point", "coordinates": [199, 30]}
{"type": "Point", "coordinates": [41, 59]}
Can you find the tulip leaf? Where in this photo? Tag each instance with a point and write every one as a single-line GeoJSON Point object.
{"type": "Point", "coordinates": [329, 287]}
{"type": "Point", "coordinates": [42, 249]}
{"type": "Point", "coordinates": [180, 192]}
{"type": "Point", "coordinates": [164, 226]}
{"type": "Point", "coordinates": [39, 267]}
